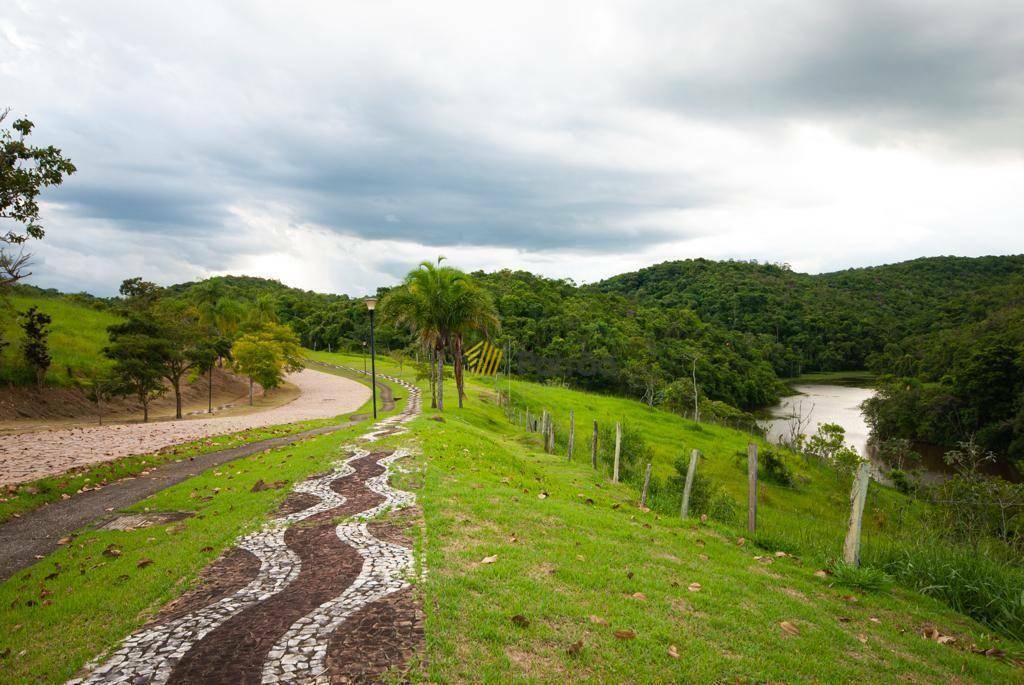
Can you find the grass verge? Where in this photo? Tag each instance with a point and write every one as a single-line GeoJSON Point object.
{"type": "Point", "coordinates": [78, 602]}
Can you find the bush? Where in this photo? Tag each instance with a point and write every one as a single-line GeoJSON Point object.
{"type": "Point", "coordinates": [706, 496]}
{"type": "Point", "coordinates": [864, 578]}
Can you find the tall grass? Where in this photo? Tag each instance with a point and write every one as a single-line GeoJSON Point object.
{"type": "Point", "coordinates": [989, 590]}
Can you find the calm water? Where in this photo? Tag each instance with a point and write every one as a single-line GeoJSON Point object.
{"type": "Point", "coordinates": [822, 403]}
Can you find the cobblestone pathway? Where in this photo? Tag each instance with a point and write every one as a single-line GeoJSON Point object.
{"type": "Point", "coordinates": [290, 622]}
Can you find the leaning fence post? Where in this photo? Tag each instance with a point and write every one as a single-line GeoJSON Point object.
{"type": "Point", "coordinates": [572, 432]}
{"type": "Point", "coordinates": [618, 449]}
{"type": "Point", "coordinates": [647, 483]}
{"type": "Point", "coordinates": [551, 436]}
{"type": "Point", "coordinates": [684, 510]}
{"type": "Point", "coordinates": [593, 447]}
{"type": "Point", "coordinates": [858, 495]}
{"type": "Point", "coordinates": [751, 487]}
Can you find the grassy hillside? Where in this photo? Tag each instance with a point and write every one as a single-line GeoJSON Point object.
{"type": "Point", "coordinates": [573, 552]}
{"type": "Point", "coordinates": [78, 333]}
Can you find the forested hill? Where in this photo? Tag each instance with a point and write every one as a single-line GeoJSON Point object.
{"type": "Point", "coordinates": [827, 321]}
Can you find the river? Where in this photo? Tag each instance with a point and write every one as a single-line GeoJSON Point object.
{"type": "Point", "coordinates": [819, 403]}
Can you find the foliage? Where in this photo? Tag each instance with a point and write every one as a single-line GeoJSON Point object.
{"type": "Point", "coordinates": [440, 305]}
{"type": "Point", "coordinates": [267, 354]}
{"type": "Point", "coordinates": [772, 466]}
{"type": "Point", "coordinates": [24, 171]}
{"type": "Point", "coordinates": [828, 445]}
{"type": "Point", "coordinates": [864, 578]}
{"type": "Point", "coordinates": [138, 351]}
{"type": "Point", "coordinates": [35, 346]}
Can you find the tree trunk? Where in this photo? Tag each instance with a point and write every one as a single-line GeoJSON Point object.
{"type": "Point", "coordinates": [145, 409]}
{"type": "Point", "coordinates": [433, 380]}
{"type": "Point", "coordinates": [440, 379]}
{"type": "Point", "coordinates": [250, 391]}
{"type": "Point", "coordinates": [209, 406]}
{"type": "Point", "coordinates": [177, 397]}
{"type": "Point", "coordinates": [457, 353]}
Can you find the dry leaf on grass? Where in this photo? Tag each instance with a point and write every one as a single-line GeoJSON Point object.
{"type": "Point", "coordinates": [821, 573]}
{"type": "Point", "coordinates": [520, 621]}
{"type": "Point", "coordinates": [575, 648]}
{"type": "Point", "coordinates": [639, 595]}
{"type": "Point", "coordinates": [673, 652]}
{"type": "Point", "coordinates": [703, 557]}
{"type": "Point", "coordinates": [143, 563]}
{"type": "Point", "coordinates": [694, 587]}
{"type": "Point", "coordinates": [625, 634]}
{"type": "Point", "coordinates": [598, 620]}
{"type": "Point", "coordinates": [112, 552]}
{"type": "Point", "coordinates": [542, 495]}
{"type": "Point", "coordinates": [932, 633]}
{"type": "Point", "coordinates": [740, 542]}
{"type": "Point", "coordinates": [863, 638]}
{"type": "Point", "coordinates": [489, 560]}
{"type": "Point", "coordinates": [789, 628]}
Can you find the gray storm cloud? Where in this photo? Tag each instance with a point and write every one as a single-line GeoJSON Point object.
{"type": "Point", "coordinates": [608, 134]}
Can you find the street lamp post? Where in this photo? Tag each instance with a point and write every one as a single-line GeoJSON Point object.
{"type": "Point", "coordinates": [371, 304]}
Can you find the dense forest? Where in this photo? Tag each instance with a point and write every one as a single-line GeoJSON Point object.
{"type": "Point", "coordinates": [944, 335]}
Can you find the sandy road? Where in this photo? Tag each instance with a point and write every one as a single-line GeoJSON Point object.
{"type": "Point", "coordinates": [29, 456]}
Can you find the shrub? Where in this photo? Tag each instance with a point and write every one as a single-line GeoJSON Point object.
{"type": "Point", "coordinates": [706, 496]}
{"type": "Point", "coordinates": [863, 578]}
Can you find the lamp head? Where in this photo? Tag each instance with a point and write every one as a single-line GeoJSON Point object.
{"type": "Point", "coordinates": [371, 303]}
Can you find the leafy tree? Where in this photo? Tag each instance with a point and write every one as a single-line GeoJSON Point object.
{"type": "Point", "coordinates": [266, 355]}
{"type": "Point", "coordinates": [35, 346]}
{"type": "Point", "coordinates": [138, 350]}
{"type": "Point", "coordinates": [184, 347]}
{"type": "Point", "coordinates": [138, 295]}
{"type": "Point", "coordinates": [24, 171]}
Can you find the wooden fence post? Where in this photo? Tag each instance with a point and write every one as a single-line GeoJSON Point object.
{"type": "Point", "coordinates": [647, 483]}
{"type": "Point", "coordinates": [528, 425]}
{"type": "Point", "coordinates": [572, 432]}
{"type": "Point", "coordinates": [684, 510]}
{"type": "Point", "coordinates": [858, 495]}
{"type": "Point", "coordinates": [618, 449]}
{"type": "Point", "coordinates": [551, 436]}
{"type": "Point", "coordinates": [751, 488]}
{"type": "Point", "coordinates": [593, 447]}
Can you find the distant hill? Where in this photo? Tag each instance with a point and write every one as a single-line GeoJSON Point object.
{"type": "Point", "coordinates": [831, 321]}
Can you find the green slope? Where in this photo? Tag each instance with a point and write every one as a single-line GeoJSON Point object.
{"type": "Point", "coordinates": [78, 334]}
{"type": "Point", "coordinates": [562, 559]}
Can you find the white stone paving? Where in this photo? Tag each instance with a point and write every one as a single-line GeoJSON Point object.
{"type": "Point", "coordinates": [149, 655]}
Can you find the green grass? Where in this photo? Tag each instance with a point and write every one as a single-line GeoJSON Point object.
{"type": "Point", "coordinates": [561, 560]}
{"type": "Point", "coordinates": [34, 494]}
{"type": "Point", "coordinates": [77, 336]}
{"type": "Point", "coordinates": [53, 624]}
{"type": "Point", "coordinates": [584, 549]}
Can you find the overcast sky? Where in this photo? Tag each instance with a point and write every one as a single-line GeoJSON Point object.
{"type": "Point", "coordinates": [333, 145]}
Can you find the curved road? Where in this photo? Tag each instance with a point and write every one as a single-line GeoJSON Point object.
{"type": "Point", "coordinates": [29, 456]}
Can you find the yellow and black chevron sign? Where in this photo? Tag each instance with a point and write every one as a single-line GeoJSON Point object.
{"type": "Point", "coordinates": [484, 358]}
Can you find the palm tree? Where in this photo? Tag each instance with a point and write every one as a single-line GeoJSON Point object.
{"type": "Point", "coordinates": [419, 304]}
{"type": "Point", "coordinates": [472, 309]}
{"type": "Point", "coordinates": [440, 304]}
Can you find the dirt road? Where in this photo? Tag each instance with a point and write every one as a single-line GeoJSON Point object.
{"type": "Point", "coordinates": [35, 455]}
